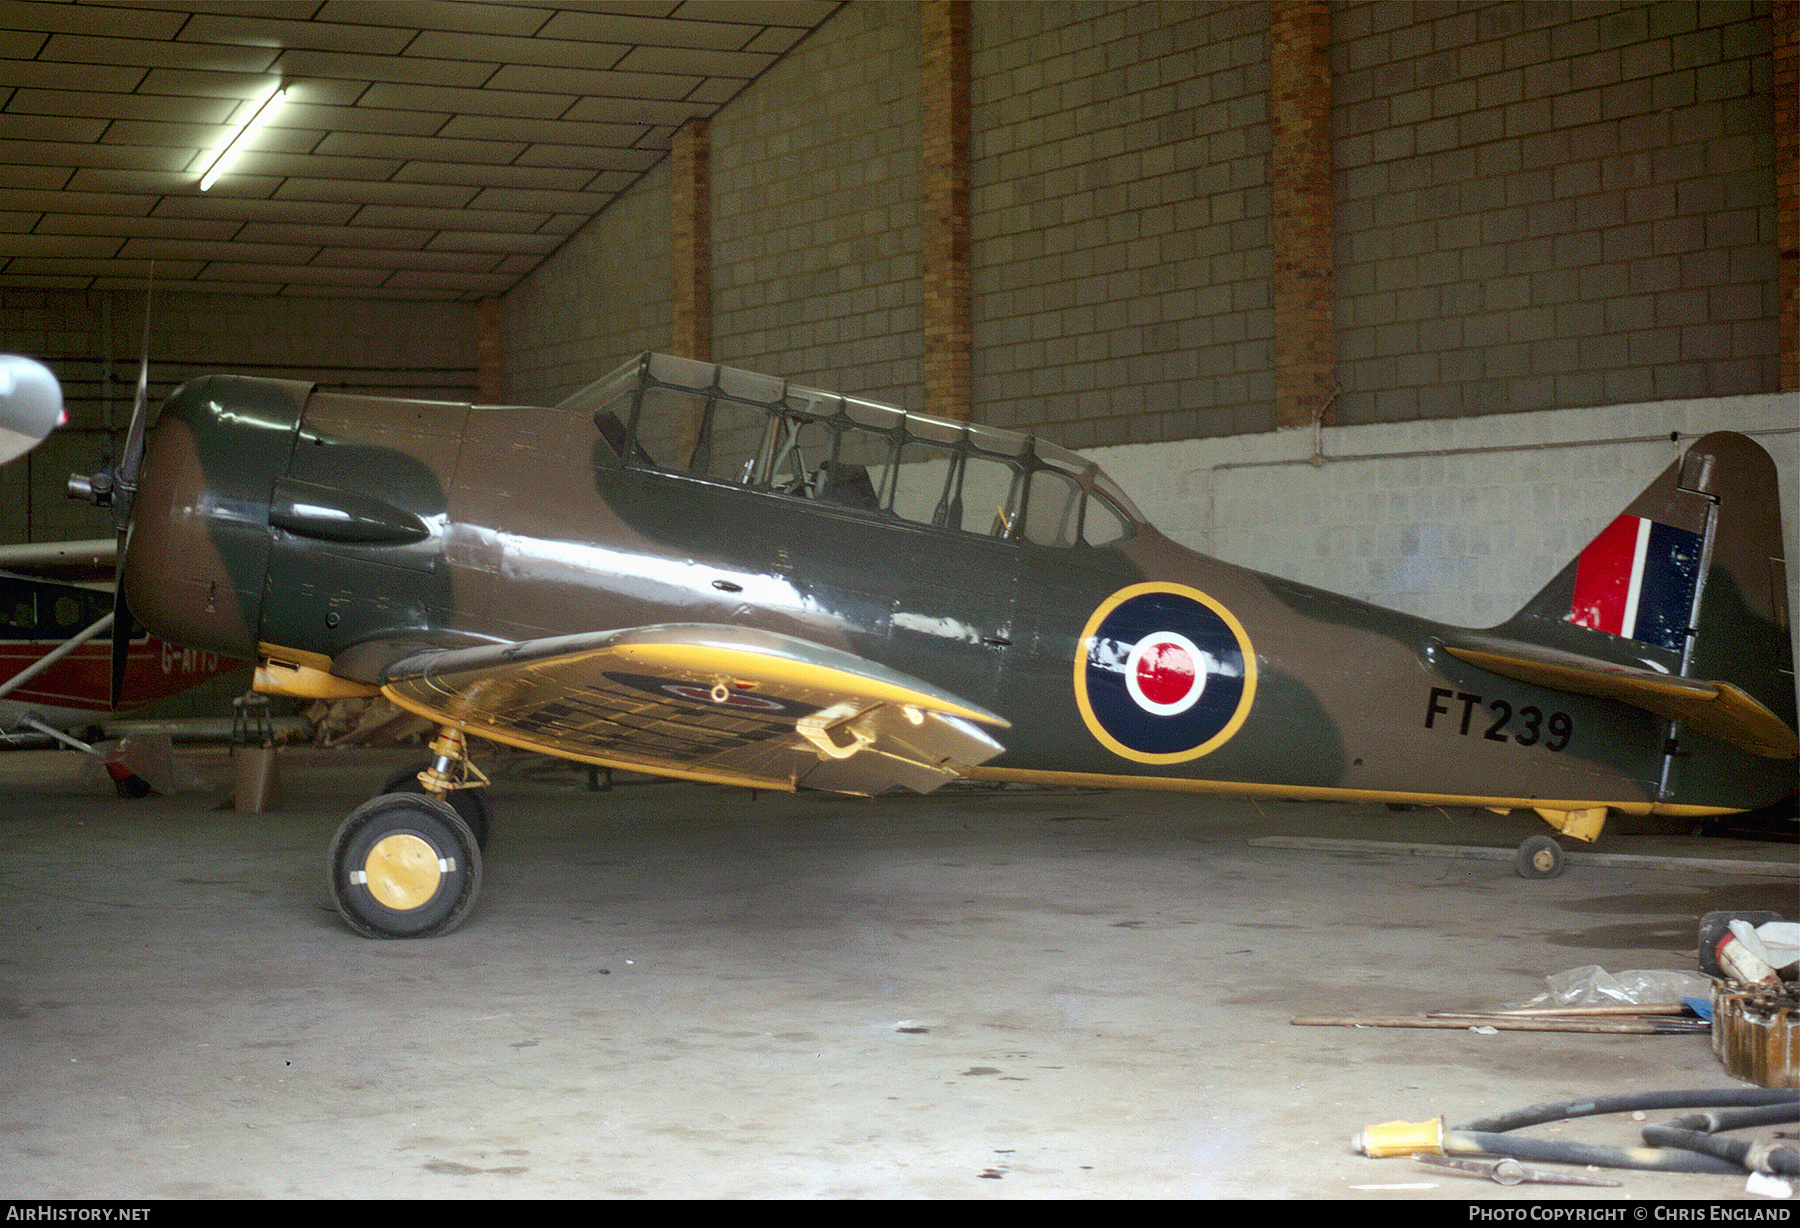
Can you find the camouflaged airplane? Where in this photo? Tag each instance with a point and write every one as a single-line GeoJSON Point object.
{"type": "Point", "coordinates": [705, 573]}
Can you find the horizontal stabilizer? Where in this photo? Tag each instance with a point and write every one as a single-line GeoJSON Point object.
{"type": "Point", "coordinates": [732, 705]}
{"type": "Point", "coordinates": [1717, 709]}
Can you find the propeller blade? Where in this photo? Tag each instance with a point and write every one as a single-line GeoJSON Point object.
{"type": "Point", "coordinates": [126, 482]}
{"type": "Point", "coordinates": [124, 492]}
{"type": "Point", "coordinates": [122, 630]}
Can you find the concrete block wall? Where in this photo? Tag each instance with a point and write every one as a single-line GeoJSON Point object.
{"type": "Point", "coordinates": [1551, 205]}
{"type": "Point", "coordinates": [607, 294]}
{"type": "Point", "coordinates": [34, 504]}
{"type": "Point", "coordinates": [814, 237]}
{"type": "Point", "coordinates": [815, 228]}
{"type": "Point", "coordinates": [1461, 520]}
{"type": "Point", "coordinates": [424, 349]}
{"type": "Point", "coordinates": [1120, 230]}
{"type": "Point", "coordinates": [1537, 206]}
{"type": "Point", "coordinates": [1555, 226]}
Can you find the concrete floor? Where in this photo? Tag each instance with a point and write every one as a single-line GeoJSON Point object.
{"type": "Point", "coordinates": [675, 991]}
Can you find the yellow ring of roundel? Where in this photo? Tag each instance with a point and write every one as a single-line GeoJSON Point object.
{"type": "Point", "coordinates": [1085, 644]}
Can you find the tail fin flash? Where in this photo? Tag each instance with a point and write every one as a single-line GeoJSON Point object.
{"type": "Point", "coordinates": [1680, 607]}
{"type": "Point", "coordinates": [1637, 580]}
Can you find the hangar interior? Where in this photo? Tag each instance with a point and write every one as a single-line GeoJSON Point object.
{"type": "Point", "coordinates": [1403, 300]}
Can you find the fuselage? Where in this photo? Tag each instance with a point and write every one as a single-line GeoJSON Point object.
{"type": "Point", "coordinates": [277, 521]}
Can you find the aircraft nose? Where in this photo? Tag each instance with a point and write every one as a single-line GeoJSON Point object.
{"type": "Point", "coordinates": [198, 547]}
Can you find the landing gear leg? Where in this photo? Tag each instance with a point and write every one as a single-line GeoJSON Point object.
{"type": "Point", "coordinates": [456, 781]}
{"type": "Point", "coordinates": [407, 864]}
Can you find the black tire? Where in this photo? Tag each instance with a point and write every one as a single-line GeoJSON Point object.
{"type": "Point", "coordinates": [1540, 857]}
{"type": "Point", "coordinates": [404, 865]}
{"type": "Point", "coordinates": [471, 804]}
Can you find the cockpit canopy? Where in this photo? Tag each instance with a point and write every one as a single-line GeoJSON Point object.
{"type": "Point", "coordinates": [722, 424]}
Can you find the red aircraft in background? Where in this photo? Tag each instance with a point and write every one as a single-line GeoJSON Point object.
{"type": "Point", "coordinates": [41, 680]}
{"type": "Point", "coordinates": [38, 616]}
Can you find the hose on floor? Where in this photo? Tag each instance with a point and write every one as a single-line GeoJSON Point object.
{"type": "Point", "coordinates": [1684, 1145]}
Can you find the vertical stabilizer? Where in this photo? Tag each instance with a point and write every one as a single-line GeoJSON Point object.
{"type": "Point", "coordinates": [1689, 581]}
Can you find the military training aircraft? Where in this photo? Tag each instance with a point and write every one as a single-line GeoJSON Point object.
{"type": "Point", "coordinates": [705, 573]}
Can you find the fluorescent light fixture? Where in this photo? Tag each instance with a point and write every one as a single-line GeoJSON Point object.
{"type": "Point", "coordinates": [264, 112]}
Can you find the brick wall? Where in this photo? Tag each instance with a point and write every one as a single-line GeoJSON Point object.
{"type": "Point", "coordinates": [1121, 229]}
{"type": "Point", "coordinates": [604, 296]}
{"type": "Point", "coordinates": [1545, 205]}
{"type": "Point", "coordinates": [816, 211]}
{"type": "Point", "coordinates": [1785, 26]}
{"type": "Point", "coordinates": [690, 240]}
{"type": "Point", "coordinates": [1300, 195]}
{"type": "Point", "coordinates": [944, 205]}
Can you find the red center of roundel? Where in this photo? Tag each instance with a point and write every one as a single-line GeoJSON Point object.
{"type": "Point", "coordinates": [1165, 674]}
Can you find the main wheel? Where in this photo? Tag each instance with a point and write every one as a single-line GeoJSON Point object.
{"type": "Point", "coordinates": [404, 865]}
{"type": "Point", "coordinates": [1539, 857]}
{"type": "Point", "coordinates": [471, 804]}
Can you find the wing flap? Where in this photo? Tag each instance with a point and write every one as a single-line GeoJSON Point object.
{"type": "Point", "coordinates": [732, 705]}
{"type": "Point", "coordinates": [1717, 709]}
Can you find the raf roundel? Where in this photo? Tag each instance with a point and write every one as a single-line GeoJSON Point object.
{"type": "Point", "coordinates": [1163, 673]}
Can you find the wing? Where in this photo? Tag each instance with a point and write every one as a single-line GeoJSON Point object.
{"type": "Point", "coordinates": [726, 704]}
{"type": "Point", "coordinates": [1718, 709]}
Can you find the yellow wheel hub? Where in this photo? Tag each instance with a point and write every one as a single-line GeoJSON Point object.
{"type": "Point", "coordinates": [403, 871]}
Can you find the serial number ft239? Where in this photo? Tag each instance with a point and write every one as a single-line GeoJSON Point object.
{"type": "Point", "coordinates": [1527, 726]}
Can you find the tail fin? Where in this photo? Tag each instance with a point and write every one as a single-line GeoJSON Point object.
{"type": "Point", "coordinates": [1679, 607]}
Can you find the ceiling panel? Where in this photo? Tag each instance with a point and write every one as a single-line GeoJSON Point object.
{"type": "Point", "coordinates": [521, 19]}
{"type": "Point", "coordinates": [338, 236]}
{"type": "Point", "coordinates": [93, 19]}
{"type": "Point", "coordinates": [134, 227]}
{"type": "Point", "coordinates": [627, 30]}
{"type": "Point", "coordinates": [152, 53]}
{"type": "Point", "coordinates": [430, 148]}
{"type": "Point", "coordinates": [25, 73]}
{"type": "Point", "coordinates": [312, 35]}
{"type": "Point", "coordinates": [552, 51]}
{"type": "Point", "coordinates": [152, 108]}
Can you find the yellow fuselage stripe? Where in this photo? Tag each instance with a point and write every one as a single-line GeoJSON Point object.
{"type": "Point", "coordinates": [1097, 780]}
{"type": "Point", "coordinates": [1314, 793]}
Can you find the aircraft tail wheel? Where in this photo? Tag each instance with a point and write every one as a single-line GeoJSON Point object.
{"type": "Point", "coordinates": [404, 865]}
{"type": "Point", "coordinates": [470, 804]}
{"type": "Point", "coordinates": [1539, 857]}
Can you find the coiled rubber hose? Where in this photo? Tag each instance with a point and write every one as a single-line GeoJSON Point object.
{"type": "Point", "coordinates": [1684, 1145]}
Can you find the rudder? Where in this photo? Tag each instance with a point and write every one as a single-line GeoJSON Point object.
{"type": "Point", "coordinates": [1689, 581]}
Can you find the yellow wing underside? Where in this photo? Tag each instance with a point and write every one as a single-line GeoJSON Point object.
{"type": "Point", "coordinates": [722, 704]}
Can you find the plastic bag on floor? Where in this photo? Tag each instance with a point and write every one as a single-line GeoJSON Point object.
{"type": "Point", "coordinates": [1592, 985]}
